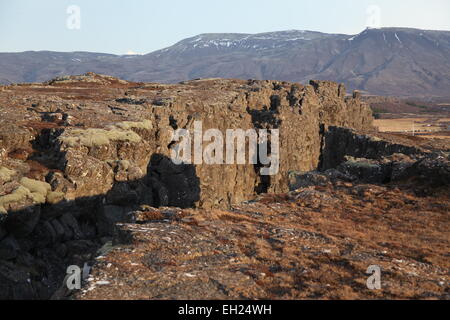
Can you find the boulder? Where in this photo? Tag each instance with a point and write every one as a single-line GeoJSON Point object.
{"type": "Point", "coordinates": [366, 170]}
{"type": "Point", "coordinates": [299, 180]}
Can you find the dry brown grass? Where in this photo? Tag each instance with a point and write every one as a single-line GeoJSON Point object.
{"type": "Point", "coordinates": [281, 247]}
{"type": "Point", "coordinates": [414, 125]}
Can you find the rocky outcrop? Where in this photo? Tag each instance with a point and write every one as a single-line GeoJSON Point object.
{"type": "Point", "coordinates": [340, 142]}
{"type": "Point", "coordinates": [369, 158]}
{"type": "Point", "coordinates": [71, 170]}
{"type": "Point", "coordinates": [64, 185]}
{"type": "Point", "coordinates": [93, 159]}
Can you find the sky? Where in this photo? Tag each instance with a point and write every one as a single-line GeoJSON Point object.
{"type": "Point", "coordinates": [143, 26]}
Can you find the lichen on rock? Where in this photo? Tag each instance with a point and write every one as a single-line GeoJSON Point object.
{"type": "Point", "coordinates": [97, 137]}
{"type": "Point", "coordinates": [128, 125]}
{"type": "Point", "coordinates": [17, 196]}
{"type": "Point", "coordinates": [6, 175]}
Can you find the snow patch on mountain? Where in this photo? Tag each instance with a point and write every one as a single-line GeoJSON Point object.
{"type": "Point", "coordinates": [262, 41]}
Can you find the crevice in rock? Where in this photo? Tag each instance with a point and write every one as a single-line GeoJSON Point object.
{"type": "Point", "coordinates": [94, 178]}
{"type": "Point", "coordinates": [39, 242]}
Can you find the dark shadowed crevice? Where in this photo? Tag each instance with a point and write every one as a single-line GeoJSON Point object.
{"type": "Point", "coordinates": [39, 242]}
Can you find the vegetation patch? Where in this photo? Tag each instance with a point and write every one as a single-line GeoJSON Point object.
{"type": "Point", "coordinates": [35, 190]}
{"type": "Point", "coordinates": [377, 111]}
{"type": "Point", "coordinates": [55, 197]}
{"type": "Point", "coordinates": [20, 194]}
{"type": "Point", "coordinates": [6, 174]}
{"type": "Point", "coordinates": [36, 186]}
{"type": "Point", "coordinates": [128, 125]}
{"type": "Point", "coordinates": [98, 137]}
{"type": "Point", "coordinates": [412, 104]}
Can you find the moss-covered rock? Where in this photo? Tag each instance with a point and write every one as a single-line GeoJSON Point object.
{"type": "Point", "coordinates": [55, 197]}
{"type": "Point", "coordinates": [128, 125]}
{"type": "Point", "coordinates": [29, 192]}
{"type": "Point", "coordinates": [17, 196]}
{"type": "Point", "coordinates": [97, 137]}
{"type": "Point", "coordinates": [35, 186]}
{"type": "Point", "coordinates": [6, 174]}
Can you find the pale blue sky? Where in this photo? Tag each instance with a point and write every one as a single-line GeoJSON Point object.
{"type": "Point", "coordinates": [119, 26]}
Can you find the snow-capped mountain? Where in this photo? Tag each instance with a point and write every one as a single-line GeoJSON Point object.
{"type": "Point", "coordinates": [388, 61]}
{"type": "Point", "coordinates": [256, 42]}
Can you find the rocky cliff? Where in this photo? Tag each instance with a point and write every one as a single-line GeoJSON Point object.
{"type": "Point", "coordinates": [79, 154]}
{"type": "Point", "coordinates": [90, 147]}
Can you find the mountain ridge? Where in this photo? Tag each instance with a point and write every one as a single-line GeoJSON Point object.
{"type": "Point", "coordinates": [384, 61]}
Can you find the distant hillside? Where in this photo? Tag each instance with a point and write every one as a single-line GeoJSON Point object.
{"type": "Point", "coordinates": [387, 61]}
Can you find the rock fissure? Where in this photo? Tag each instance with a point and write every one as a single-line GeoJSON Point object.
{"type": "Point", "coordinates": [81, 179]}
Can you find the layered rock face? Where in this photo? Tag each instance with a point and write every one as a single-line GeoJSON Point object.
{"type": "Point", "coordinates": [92, 160]}
{"type": "Point", "coordinates": [78, 154]}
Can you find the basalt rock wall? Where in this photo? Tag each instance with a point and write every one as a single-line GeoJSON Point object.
{"type": "Point", "coordinates": [93, 160]}
{"type": "Point", "coordinates": [77, 155]}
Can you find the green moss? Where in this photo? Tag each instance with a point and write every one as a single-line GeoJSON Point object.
{"type": "Point", "coordinates": [98, 137]}
{"type": "Point", "coordinates": [38, 197]}
{"type": "Point", "coordinates": [6, 174]}
{"type": "Point", "coordinates": [55, 197]}
{"type": "Point", "coordinates": [35, 190]}
{"type": "Point", "coordinates": [377, 111]}
{"type": "Point", "coordinates": [36, 186]}
{"type": "Point", "coordinates": [121, 131]}
{"type": "Point", "coordinates": [20, 194]}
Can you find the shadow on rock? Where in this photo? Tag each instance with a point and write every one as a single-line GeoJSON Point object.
{"type": "Point", "coordinates": [39, 241]}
